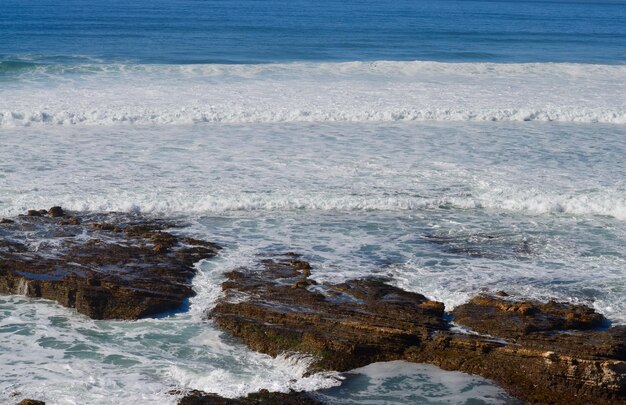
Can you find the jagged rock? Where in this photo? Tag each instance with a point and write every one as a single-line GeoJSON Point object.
{"type": "Point", "coordinates": [345, 326]}
{"type": "Point", "coordinates": [56, 212]}
{"type": "Point", "coordinates": [70, 220]}
{"type": "Point", "coordinates": [262, 397]}
{"type": "Point", "coordinates": [30, 402]}
{"type": "Point", "coordinates": [101, 272]}
{"type": "Point", "coordinates": [512, 319]}
{"type": "Point", "coordinates": [531, 350]}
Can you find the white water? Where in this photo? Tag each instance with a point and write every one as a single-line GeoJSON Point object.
{"type": "Point", "coordinates": [397, 382]}
{"type": "Point", "coordinates": [537, 209]}
{"type": "Point", "coordinates": [56, 355]}
{"type": "Point", "coordinates": [313, 92]}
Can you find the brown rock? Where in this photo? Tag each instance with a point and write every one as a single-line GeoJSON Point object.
{"type": "Point", "coordinates": [305, 267]}
{"type": "Point", "coordinates": [509, 319]}
{"type": "Point", "coordinates": [31, 402]}
{"type": "Point", "coordinates": [56, 212]}
{"type": "Point", "coordinates": [198, 242]}
{"type": "Point", "coordinates": [346, 326]}
{"type": "Point", "coordinates": [33, 213]}
{"type": "Point", "coordinates": [101, 273]}
{"type": "Point", "coordinates": [262, 397]}
{"type": "Point", "coordinates": [103, 226]}
{"type": "Point", "coordinates": [70, 220]}
{"type": "Point", "coordinates": [555, 358]}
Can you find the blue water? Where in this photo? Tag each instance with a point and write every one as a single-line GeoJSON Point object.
{"type": "Point", "coordinates": [253, 31]}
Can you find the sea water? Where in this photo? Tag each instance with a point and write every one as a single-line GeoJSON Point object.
{"type": "Point", "coordinates": [454, 146]}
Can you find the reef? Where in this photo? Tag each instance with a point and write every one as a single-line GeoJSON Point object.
{"type": "Point", "coordinates": [262, 397]}
{"type": "Point", "coordinates": [106, 266]}
{"type": "Point", "coordinates": [549, 353]}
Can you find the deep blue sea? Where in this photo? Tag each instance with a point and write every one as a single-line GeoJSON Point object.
{"type": "Point", "coordinates": [353, 132]}
{"type": "Point", "coordinates": [255, 31]}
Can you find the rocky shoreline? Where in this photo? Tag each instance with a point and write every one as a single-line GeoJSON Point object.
{"type": "Point", "coordinates": [548, 353]}
{"type": "Point", "coordinates": [106, 266]}
{"type": "Point", "coordinates": [123, 266]}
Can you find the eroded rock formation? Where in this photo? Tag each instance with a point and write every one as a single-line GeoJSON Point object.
{"type": "Point", "coordinates": [262, 397]}
{"type": "Point", "coordinates": [107, 266]}
{"type": "Point", "coordinates": [541, 353]}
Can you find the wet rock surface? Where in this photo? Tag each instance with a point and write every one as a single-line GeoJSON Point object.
{"type": "Point", "coordinates": [278, 308]}
{"type": "Point", "coordinates": [512, 319]}
{"type": "Point", "coordinates": [259, 398]}
{"type": "Point", "coordinates": [541, 353]}
{"type": "Point", "coordinates": [106, 266]}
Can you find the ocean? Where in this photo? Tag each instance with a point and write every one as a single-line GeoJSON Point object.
{"type": "Point", "coordinates": [452, 146]}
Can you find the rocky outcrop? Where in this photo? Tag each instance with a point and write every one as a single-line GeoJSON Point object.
{"type": "Point", "coordinates": [511, 319]}
{"type": "Point", "coordinates": [541, 353]}
{"type": "Point", "coordinates": [30, 402]}
{"type": "Point", "coordinates": [345, 326]}
{"type": "Point", "coordinates": [262, 397]}
{"type": "Point", "coordinates": [106, 266]}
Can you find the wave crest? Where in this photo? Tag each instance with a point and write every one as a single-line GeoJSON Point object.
{"type": "Point", "coordinates": [10, 119]}
{"type": "Point", "coordinates": [313, 92]}
{"type": "Point", "coordinates": [610, 203]}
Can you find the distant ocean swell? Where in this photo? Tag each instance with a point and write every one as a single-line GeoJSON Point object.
{"type": "Point", "coordinates": [92, 94]}
{"type": "Point", "coordinates": [610, 203]}
{"type": "Point", "coordinates": [10, 119]}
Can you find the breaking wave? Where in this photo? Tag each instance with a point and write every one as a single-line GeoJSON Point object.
{"type": "Point", "coordinates": [113, 94]}
{"type": "Point", "coordinates": [602, 203]}
{"type": "Point", "coordinates": [199, 115]}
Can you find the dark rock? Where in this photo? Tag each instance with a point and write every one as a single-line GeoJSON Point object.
{"type": "Point", "coordinates": [33, 213]}
{"type": "Point", "coordinates": [6, 221]}
{"type": "Point", "coordinates": [56, 212]}
{"type": "Point", "coordinates": [70, 220]}
{"type": "Point", "coordinates": [345, 326]}
{"type": "Point", "coordinates": [509, 319]}
{"type": "Point", "coordinates": [262, 397]}
{"type": "Point", "coordinates": [554, 357]}
{"type": "Point", "coordinates": [103, 226]}
{"type": "Point", "coordinates": [102, 273]}
{"type": "Point", "coordinates": [481, 245]}
{"type": "Point", "coordinates": [31, 402]}
{"type": "Point", "coordinates": [305, 267]}
{"type": "Point", "coordinates": [198, 242]}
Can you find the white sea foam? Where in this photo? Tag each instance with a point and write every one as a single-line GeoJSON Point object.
{"type": "Point", "coordinates": [532, 208]}
{"type": "Point", "coordinates": [314, 92]}
{"type": "Point", "coordinates": [400, 382]}
{"type": "Point", "coordinates": [610, 203]}
{"type": "Point", "coordinates": [288, 374]}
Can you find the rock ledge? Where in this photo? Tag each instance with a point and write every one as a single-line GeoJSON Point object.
{"type": "Point", "coordinates": [106, 266]}
{"type": "Point", "coordinates": [541, 353]}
